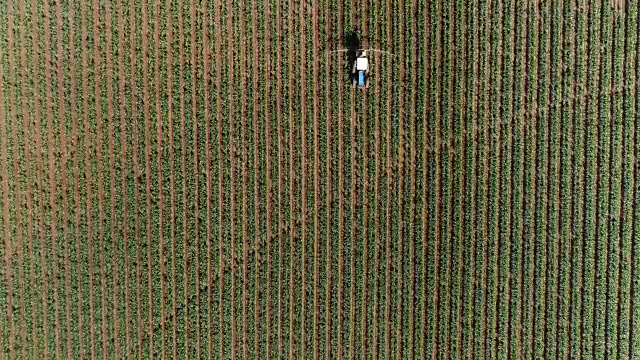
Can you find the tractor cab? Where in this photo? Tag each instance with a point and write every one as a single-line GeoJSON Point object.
{"type": "Point", "coordinates": [360, 70]}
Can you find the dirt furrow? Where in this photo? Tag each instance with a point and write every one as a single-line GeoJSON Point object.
{"type": "Point", "coordinates": [5, 212]}
{"type": "Point", "coordinates": [123, 164]}
{"type": "Point", "coordinates": [352, 263]}
{"type": "Point", "coordinates": [63, 177]}
{"type": "Point", "coordinates": [196, 172]}
{"type": "Point", "coordinates": [256, 182]}
{"type": "Point", "coordinates": [112, 176]}
{"type": "Point", "coordinates": [17, 172]}
{"type": "Point", "coordinates": [159, 119]}
{"type": "Point", "coordinates": [425, 197]}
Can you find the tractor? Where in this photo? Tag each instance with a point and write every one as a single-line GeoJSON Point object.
{"type": "Point", "coordinates": [360, 70]}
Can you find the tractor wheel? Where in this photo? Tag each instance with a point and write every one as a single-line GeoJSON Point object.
{"type": "Point", "coordinates": [354, 82]}
{"type": "Point", "coordinates": [366, 82]}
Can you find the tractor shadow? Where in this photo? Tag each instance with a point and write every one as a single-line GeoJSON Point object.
{"type": "Point", "coordinates": [351, 41]}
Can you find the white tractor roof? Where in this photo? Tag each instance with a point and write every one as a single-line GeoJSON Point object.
{"type": "Point", "coordinates": [362, 63]}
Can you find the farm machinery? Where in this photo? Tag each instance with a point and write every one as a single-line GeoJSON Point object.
{"type": "Point", "coordinates": [360, 69]}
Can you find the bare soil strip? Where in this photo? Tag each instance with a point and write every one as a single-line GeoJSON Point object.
{"type": "Point", "coordinates": [159, 136]}
{"type": "Point", "coordinates": [425, 163]}
{"type": "Point", "coordinates": [16, 172]}
{"type": "Point", "coordinates": [5, 212]}
{"type": "Point", "coordinates": [123, 162]}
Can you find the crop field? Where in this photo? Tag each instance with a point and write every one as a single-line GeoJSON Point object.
{"type": "Point", "coordinates": [198, 179]}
